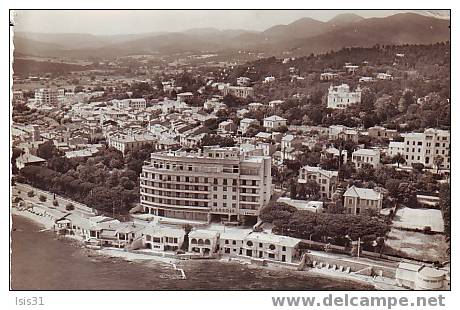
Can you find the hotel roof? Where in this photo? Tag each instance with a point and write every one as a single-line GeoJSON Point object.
{"type": "Point", "coordinates": [363, 193]}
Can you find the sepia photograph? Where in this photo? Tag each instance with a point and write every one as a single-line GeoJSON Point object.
{"type": "Point", "coordinates": [230, 150]}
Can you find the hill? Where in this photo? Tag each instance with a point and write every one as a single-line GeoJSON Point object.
{"type": "Point", "coordinates": [300, 37]}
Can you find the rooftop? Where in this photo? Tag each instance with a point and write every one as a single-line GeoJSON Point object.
{"type": "Point", "coordinates": [363, 193]}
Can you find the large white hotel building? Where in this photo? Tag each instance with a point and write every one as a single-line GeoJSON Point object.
{"type": "Point", "coordinates": [216, 184]}
{"type": "Point", "coordinates": [424, 147]}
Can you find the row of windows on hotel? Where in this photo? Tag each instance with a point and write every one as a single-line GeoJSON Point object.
{"type": "Point", "coordinates": [443, 152]}
{"type": "Point", "coordinates": [198, 196]}
{"type": "Point", "coordinates": [199, 188]}
{"type": "Point", "coordinates": [205, 180]}
{"type": "Point", "coordinates": [182, 167]}
{"type": "Point", "coordinates": [427, 159]}
{"type": "Point", "coordinates": [429, 143]}
{"type": "Point", "coordinates": [173, 202]}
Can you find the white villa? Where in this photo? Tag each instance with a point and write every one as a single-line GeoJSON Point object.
{"type": "Point", "coordinates": [357, 200]}
{"type": "Point", "coordinates": [340, 97]}
{"type": "Point", "coordinates": [365, 156]}
{"type": "Point", "coordinates": [274, 122]}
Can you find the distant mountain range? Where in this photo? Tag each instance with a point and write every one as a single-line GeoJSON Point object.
{"type": "Point", "coordinates": [301, 37]}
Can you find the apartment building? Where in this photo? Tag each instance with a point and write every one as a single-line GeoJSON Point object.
{"type": "Point", "coordinates": [328, 76]}
{"type": "Point", "coordinates": [138, 103]}
{"type": "Point", "coordinates": [227, 126]}
{"type": "Point", "coordinates": [239, 91]}
{"type": "Point", "coordinates": [382, 132]}
{"type": "Point", "coordinates": [182, 97]}
{"type": "Point", "coordinates": [427, 147]}
{"type": "Point", "coordinates": [359, 200]}
{"type": "Point", "coordinates": [47, 96]}
{"type": "Point", "coordinates": [384, 76]}
{"type": "Point", "coordinates": [274, 122]}
{"type": "Point", "coordinates": [365, 156]}
{"type": "Point", "coordinates": [327, 180]}
{"type": "Point", "coordinates": [245, 123]}
{"type": "Point", "coordinates": [345, 133]}
{"type": "Point", "coordinates": [396, 148]}
{"type": "Point", "coordinates": [340, 97]}
{"type": "Point", "coordinates": [332, 152]}
{"type": "Point", "coordinates": [216, 184]}
{"type": "Point", "coordinates": [125, 142]}
{"type": "Point", "coordinates": [243, 81]}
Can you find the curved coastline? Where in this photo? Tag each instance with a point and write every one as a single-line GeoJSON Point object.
{"type": "Point", "coordinates": [241, 275]}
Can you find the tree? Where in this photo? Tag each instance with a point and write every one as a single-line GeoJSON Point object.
{"type": "Point", "coordinates": [335, 207]}
{"type": "Point", "coordinates": [48, 150]}
{"type": "Point", "coordinates": [398, 159]}
{"type": "Point", "coordinates": [418, 167]}
{"type": "Point", "coordinates": [312, 189]}
{"type": "Point", "coordinates": [438, 161]}
{"type": "Point", "coordinates": [15, 154]}
{"type": "Point", "coordinates": [30, 194]}
{"type": "Point", "coordinates": [365, 173]}
{"type": "Point", "coordinates": [209, 139]}
{"type": "Point", "coordinates": [69, 207]}
{"type": "Point", "coordinates": [42, 198]}
{"type": "Point", "coordinates": [346, 171]}
{"type": "Point", "coordinates": [293, 190]}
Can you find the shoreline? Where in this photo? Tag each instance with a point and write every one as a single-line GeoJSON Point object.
{"type": "Point", "coordinates": [171, 262]}
{"type": "Point", "coordinates": [39, 220]}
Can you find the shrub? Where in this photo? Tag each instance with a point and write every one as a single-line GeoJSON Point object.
{"type": "Point", "coordinates": [30, 194]}
{"type": "Point", "coordinates": [426, 229]}
{"type": "Point", "coordinates": [42, 198]}
{"type": "Point", "coordinates": [70, 207]}
{"type": "Point", "coordinates": [55, 203]}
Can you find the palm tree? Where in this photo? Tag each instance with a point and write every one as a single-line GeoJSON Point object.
{"type": "Point", "coordinates": [398, 159]}
{"type": "Point", "coordinates": [438, 160]}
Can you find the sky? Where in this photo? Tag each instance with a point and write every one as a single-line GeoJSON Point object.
{"type": "Point", "coordinates": [108, 22]}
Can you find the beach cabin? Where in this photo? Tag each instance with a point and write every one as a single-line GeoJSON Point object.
{"type": "Point", "coordinates": [272, 247]}
{"type": "Point", "coordinates": [162, 238]}
{"type": "Point", "coordinates": [203, 241]}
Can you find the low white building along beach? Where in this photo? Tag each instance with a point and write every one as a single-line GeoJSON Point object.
{"type": "Point", "coordinates": [118, 235]}
{"type": "Point", "coordinates": [204, 242]}
{"type": "Point", "coordinates": [263, 245]}
{"type": "Point", "coordinates": [162, 238]}
{"type": "Point", "coordinates": [360, 200]}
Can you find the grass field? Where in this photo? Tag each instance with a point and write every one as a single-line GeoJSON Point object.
{"type": "Point", "coordinates": [416, 245]}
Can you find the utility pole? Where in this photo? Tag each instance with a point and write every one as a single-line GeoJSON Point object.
{"type": "Point", "coordinates": [359, 245]}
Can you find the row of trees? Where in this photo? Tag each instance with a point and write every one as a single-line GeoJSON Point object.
{"type": "Point", "coordinates": [323, 227]}
{"type": "Point", "coordinates": [107, 181]}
